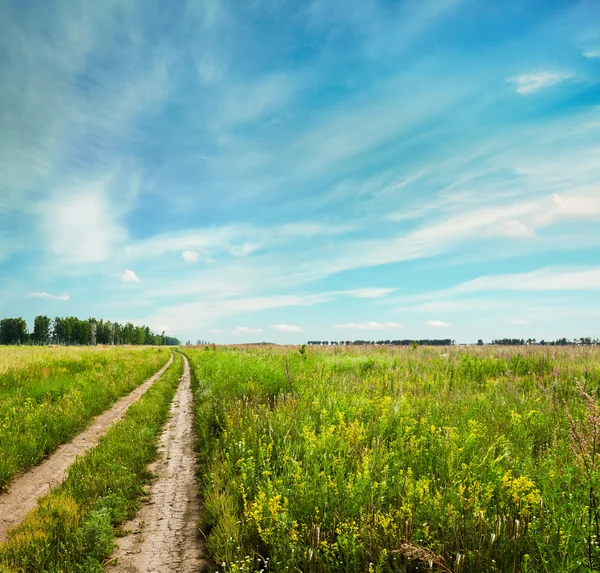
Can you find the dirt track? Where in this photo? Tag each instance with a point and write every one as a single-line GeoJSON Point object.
{"type": "Point", "coordinates": [165, 534]}
{"type": "Point", "coordinates": [24, 491]}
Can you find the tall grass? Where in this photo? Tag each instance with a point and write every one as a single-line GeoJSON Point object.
{"type": "Point", "coordinates": [396, 459]}
{"type": "Point", "coordinates": [73, 528]}
{"type": "Point", "coordinates": [49, 395]}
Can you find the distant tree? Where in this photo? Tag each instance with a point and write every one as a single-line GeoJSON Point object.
{"type": "Point", "coordinates": [480, 342]}
{"type": "Point", "coordinates": [41, 329]}
{"type": "Point", "coordinates": [13, 331]}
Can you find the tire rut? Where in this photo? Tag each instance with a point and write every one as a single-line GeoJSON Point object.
{"type": "Point", "coordinates": [24, 491]}
{"type": "Point", "coordinates": [165, 534]}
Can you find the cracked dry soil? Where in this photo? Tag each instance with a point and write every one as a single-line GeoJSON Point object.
{"type": "Point", "coordinates": [164, 536]}
{"type": "Point", "coordinates": [24, 491]}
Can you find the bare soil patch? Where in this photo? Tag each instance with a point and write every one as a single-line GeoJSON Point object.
{"type": "Point", "coordinates": [164, 536]}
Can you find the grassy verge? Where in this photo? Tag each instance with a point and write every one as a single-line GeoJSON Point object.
{"type": "Point", "coordinates": [400, 460]}
{"type": "Point", "coordinates": [73, 528]}
{"type": "Point", "coordinates": [50, 395]}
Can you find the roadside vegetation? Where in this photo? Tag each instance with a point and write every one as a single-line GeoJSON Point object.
{"type": "Point", "coordinates": [381, 459]}
{"type": "Point", "coordinates": [48, 395]}
{"type": "Point", "coordinates": [73, 528]}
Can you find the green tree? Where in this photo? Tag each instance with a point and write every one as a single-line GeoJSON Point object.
{"type": "Point", "coordinates": [41, 329]}
{"type": "Point", "coordinates": [13, 331]}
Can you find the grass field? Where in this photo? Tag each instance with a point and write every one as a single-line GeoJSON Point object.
{"type": "Point", "coordinates": [344, 459]}
{"type": "Point", "coordinates": [48, 395]}
{"type": "Point", "coordinates": [73, 528]}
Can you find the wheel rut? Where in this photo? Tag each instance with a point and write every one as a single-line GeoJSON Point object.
{"type": "Point", "coordinates": [24, 491]}
{"type": "Point", "coordinates": [164, 536]}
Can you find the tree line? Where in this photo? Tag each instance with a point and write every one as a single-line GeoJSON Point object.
{"type": "Point", "coordinates": [585, 341]}
{"type": "Point", "coordinates": [74, 331]}
{"type": "Point", "coordinates": [405, 342]}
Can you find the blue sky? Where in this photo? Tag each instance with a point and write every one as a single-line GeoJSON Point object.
{"type": "Point", "coordinates": [289, 171]}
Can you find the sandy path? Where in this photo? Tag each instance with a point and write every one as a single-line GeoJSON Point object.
{"type": "Point", "coordinates": [165, 532]}
{"type": "Point", "coordinates": [24, 491]}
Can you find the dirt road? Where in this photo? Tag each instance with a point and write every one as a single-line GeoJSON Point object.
{"type": "Point", "coordinates": [165, 534]}
{"type": "Point", "coordinates": [24, 491]}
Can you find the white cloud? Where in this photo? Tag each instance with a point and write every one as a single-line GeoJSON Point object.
{"type": "Point", "coordinates": [399, 184]}
{"type": "Point", "coordinates": [548, 279]}
{"type": "Point", "coordinates": [81, 225]}
{"type": "Point", "coordinates": [237, 240]}
{"type": "Point", "coordinates": [287, 328]}
{"type": "Point", "coordinates": [246, 103]}
{"type": "Point", "coordinates": [369, 292]}
{"type": "Point", "coordinates": [190, 256]}
{"type": "Point", "coordinates": [191, 317]}
{"type": "Point", "coordinates": [513, 228]}
{"type": "Point", "coordinates": [370, 325]}
{"type": "Point", "coordinates": [531, 83]}
{"type": "Point", "coordinates": [437, 324]}
{"type": "Point", "coordinates": [244, 330]}
{"type": "Point", "coordinates": [545, 279]}
{"type": "Point", "coordinates": [412, 213]}
{"type": "Point", "coordinates": [591, 54]}
{"type": "Point", "coordinates": [243, 250]}
{"type": "Point", "coordinates": [128, 275]}
{"type": "Point", "coordinates": [48, 296]}
{"type": "Point", "coordinates": [518, 321]}
{"type": "Point", "coordinates": [514, 220]}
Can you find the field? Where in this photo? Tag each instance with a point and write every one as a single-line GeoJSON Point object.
{"type": "Point", "coordinates": [400, 459]}
{"type": "Point", "coordinates": [73, 527]}
{"type": "Point", "coordinates": [48, 395]}
{"type": "Point", "coordinates": [450, 459]}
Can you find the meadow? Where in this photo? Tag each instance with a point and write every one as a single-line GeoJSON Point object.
{"type": "Point", "coordinates": [48, 395]}
{"type": "Point", "coordinates": [428, 459]}
{"type": "Point", "coordinates": [73, 528]}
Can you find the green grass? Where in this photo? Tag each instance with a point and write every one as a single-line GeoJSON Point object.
{"type": "Point", "coordinates": [463, 460]}
{"type": "Point", "coordinates": [73, 528]}
{"type": "Point", "coordinates": [48, 395]}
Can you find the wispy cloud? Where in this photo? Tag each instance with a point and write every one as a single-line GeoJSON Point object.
{"type": "Point", "coordinates": [81, 224]}
{"type": "Point", "coordinates": [190, 256]}
{"type": "Point", "coordinates": [531, 83]}
{"type": "Point", "coordinates": [437, 324]}
{"type": "Point", "coordinates": [370, 325]}
{"type": "Point", "coordinates": [591, 54]}
{"type": "Point", "coordinates": [369, 292]}
{"type": "Point", "coordinates": [399, 184]}
{"type": "Point", "coordinates": [48, 296]}
{"type": "Point", "coordinates": [127, 276]}
{"type": "Point", "coordinates": [287, 328]}
{"type": "Point", "coordinates": [518, 322]}
{"type": "Point", "coordinates": [246, 330]}
{"type": "Point", "coordinates": [548, 279]}
{"type": "Point", "coordinates": [237, 240]}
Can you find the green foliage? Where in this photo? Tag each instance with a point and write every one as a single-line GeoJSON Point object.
{"type": "Point", "coordinates": [13, 331]}
{"type": "Point", "coordinates": [73, 528]}
{"type": "Point", "coordinates": [47, 400]}
{"type": "Point", "coordinates": [395, 459]}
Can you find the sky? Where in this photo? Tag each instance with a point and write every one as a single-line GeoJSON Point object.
{"type": "Point", "coordinates": [284, 171]}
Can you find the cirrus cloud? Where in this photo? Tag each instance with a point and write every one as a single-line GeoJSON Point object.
{"type": "Point", "coordinates": [48, 296]}
{"type": "Point", "coordinates": [244, 330]}
{"type": "Point", "coordinates": [287, 328]}
{"type": "Point", "coordinates": [370, 325]}
{"type": "Point", "coordinates": [531, 83]}
{"type": "Point", "coordinates": [190, 256]}
{"type": "Point", "coordinates": [128, 276]}
{"type": "Point", "coordinates": [437, 324]}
